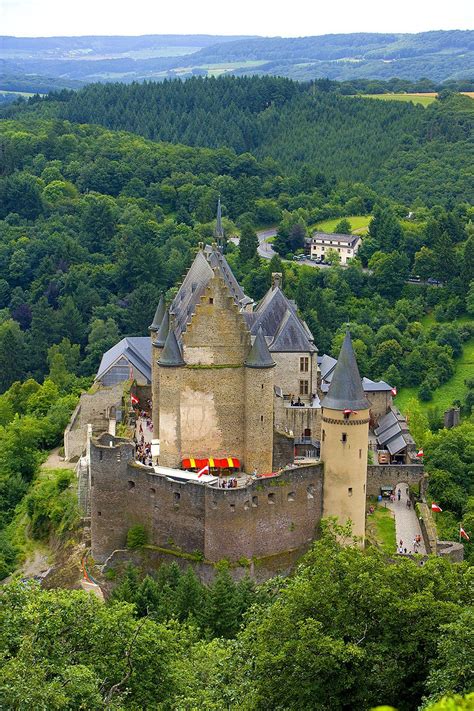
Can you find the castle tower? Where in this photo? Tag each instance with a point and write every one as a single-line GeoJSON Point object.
{"type": "Point", "coordinates": [170, 364]}
{"type": "Point", "coordinates": [157, 346]}
{"type": "Point", "coordinates": [154, 329]}
{"type": "Point", "coordinates": [259, 407]}
{"type": "Point", "coordinates": [344, 442]}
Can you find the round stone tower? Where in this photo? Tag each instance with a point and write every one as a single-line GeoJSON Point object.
{"type": "Point", "coordinates": [154, 329]}
{"type": "Point", "coordinates": [259, 407]}
{"type": "Point", "coordinates": [344, 443]}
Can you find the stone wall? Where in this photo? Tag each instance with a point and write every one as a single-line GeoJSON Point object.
{"type": "Point", "coordinates": [269, 517]}
{"type": "Point", "coordinates": [93, 409]}
{"type": "Point", "coordinates": [283, 449]}
{"type": "Point", "coordinates": [379, 475]}
{"type": "Point", "coordinates": [380, 403]}
{"type": "Point", "coordinates": [288, 374]}
{"type": "Point", "coordinates": [298, 419]}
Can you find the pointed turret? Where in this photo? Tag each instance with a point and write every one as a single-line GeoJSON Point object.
{"type": "Point", "coordinates": [159, 313]}
{"type": "Point", "coordinates": [219, 231]}
{"type": "Point", "coordinates": [163, 331]}
{"type": "Point", "coordinates": [171, 356]}
{"type": "Point", "coordinates": [259, 355]}
{"type": "Point", "coordinates": [345, 391]}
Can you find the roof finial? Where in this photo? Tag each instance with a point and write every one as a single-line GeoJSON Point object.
{"type": "Point", "coordinates": [219, 231]}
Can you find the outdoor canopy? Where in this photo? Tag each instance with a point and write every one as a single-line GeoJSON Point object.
{"type": "Point", "coordinates": [227, 463]}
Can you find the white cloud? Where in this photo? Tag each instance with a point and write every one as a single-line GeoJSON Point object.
{"type": "Point", "coordinates": [262, 17]}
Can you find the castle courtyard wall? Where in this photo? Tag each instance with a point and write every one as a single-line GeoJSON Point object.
{"type": "Point", "coordinates": [268, 517]}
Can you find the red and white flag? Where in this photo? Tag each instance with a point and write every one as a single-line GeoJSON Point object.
{"type": "Point", "coordinates": [463, 534]}
{"type": "Point", "coordinates": [394, 391]}
{"type": "Point", "coordinates": [435, 507]}
{"type": "Point", "coordinates": [204, 470]}
{"type": "Point", "coordinates": [134, 399]}
{"type": "Point", "coordinates": [420, 453]}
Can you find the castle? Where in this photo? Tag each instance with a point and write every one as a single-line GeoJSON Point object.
{"type": "Point", "coordinates": [239, 389]}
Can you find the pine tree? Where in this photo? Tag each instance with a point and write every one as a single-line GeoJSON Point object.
{"type": "Point", "coordinates": [248, 243]}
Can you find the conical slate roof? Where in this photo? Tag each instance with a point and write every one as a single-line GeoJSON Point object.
{"type": "Point", "coordinates": [163, 331]}
{"type": "Point", "coordinates": [171, 356]}
{"type": "Point", "coordinates": [259, 356]}
{"type": "Point", "coordinates": [345, 391]}
{"type": "Point", "coordinates": [159, 313]}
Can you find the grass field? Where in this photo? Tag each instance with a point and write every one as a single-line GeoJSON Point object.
{"type": "Point", "coordinates": [359, 224]}
{"type": "Point", "coordinates": [422, 99]}
{"type": "Point", "coordinates": [381, 529]}
{"type": "Point", "coordinates": [454, 389]}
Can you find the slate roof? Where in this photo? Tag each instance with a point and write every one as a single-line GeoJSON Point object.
{"type": "Point", "coordinates": [259, 356]}
{"type": "Point", "coordinates": [393, 433]}
{"type": "Point", "coordinates": [163, 331]}
{"type": "Point", "coordinates": [277, 317]}
{"type": "Point", "coordinates": [338, 238]}
{"type": "Point", "coordinates": [195, 282]}
{"type": "Point", "coordinates": [136, 349]}
{"type": "Point", "coordinates": [159, 313]}
{"type": "Point", "coordinates": [345, 390]}
{"type": "Point", "coordinates": [171, 356]}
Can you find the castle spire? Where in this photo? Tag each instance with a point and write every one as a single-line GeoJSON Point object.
{"type": "Point", "coordinates": [163, 330]}
{"type": "Point", "coordinates": [171, 356]}
{"type": "Point", "coordinates": [259, 355]}
{"type": "Point", "coordinates": [219, 231]}
{"type": "Point", "coordinates": [158, 317]}
{"type": "Point", "coordinates": [346, 391]}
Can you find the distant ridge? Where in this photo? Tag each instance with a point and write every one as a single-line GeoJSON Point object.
{"type": "Point", "coordinates": [439, 56]}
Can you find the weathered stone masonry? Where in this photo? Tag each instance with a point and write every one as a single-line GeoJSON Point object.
{"type": "Point", "coordinates": [267, 517]}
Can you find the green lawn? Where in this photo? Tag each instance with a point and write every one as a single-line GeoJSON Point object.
{"type": "Point", "coordinates": [414, 98]}
{"type": "Point", "coordinates": [381, 529]}
{"type": "Point", "coordinates": [454, 389]}
{"type": "Point", "coordinates": [359, 224]}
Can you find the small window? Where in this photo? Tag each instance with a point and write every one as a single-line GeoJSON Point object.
{"type": "Point", "coordinates": [344, 437]}
{"type": "Point", "coordinates": [101, 454]}
{"type": "Point", "coordinates": [291, 496]}
{"type": "Point", "coordinates": [131, 485]}
{"type": "Point", "coordinates": [304, 387]}
{"type": "Point", "coordinates": [271, 498]}
{"type": "Point", "coordinates": [262, 386]}
{"type": "Point", "coordinates": [324, 435]}
{"type": "Point", "coordinates": [261, 418]}
{"type": "Point", "coordinates": [310, 491]}
{"type": "Point", "coordinates": [152, 492]}
{"type": "Point", "coordinates": [254, 501]}
{"type": "Point", "coordinates": [99, 513]}
{"type": "Point", "coordinates": [176, 497]}
{"type": "Point", "coordinates": [304, 364]}
{"type": "Point", "coordinates": [360, 454]}
{"type": "Point", "coordinates": [232, 508]}
{"type": "Point", "coordinates": [211, 300]}
{"type": "Point", "coordinates": [349, 491]}
{"type": "Point", "coordinates": [246, 505]}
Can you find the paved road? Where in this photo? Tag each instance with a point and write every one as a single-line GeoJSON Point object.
{"type": "Point", "coordinates": [265, 249]}
{"type": "Point", "coordinates": [406, 522]}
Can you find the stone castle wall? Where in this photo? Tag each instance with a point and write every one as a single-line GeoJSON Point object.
{"type": "Point", "coordinates": [379, 475]}
{"type": "Point", "coordinates": [268, 517]}
{"type": "Point", "coordinates": [288, 374]}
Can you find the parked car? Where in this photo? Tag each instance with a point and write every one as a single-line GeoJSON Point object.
{"type": "Point", "coordinates": [433, 282]}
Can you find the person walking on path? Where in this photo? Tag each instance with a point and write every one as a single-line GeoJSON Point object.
{"type": "Point", "coordinates": [399, 494]}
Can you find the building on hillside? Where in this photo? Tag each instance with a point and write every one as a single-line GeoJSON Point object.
{"type": "Point", "coordinates": [346, 246]}
{"type": "Point", "coordinates": [255, 436]}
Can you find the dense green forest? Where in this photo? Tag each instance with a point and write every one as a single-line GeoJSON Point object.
{"type": "Point", "coordinates": [401, 150]}
{"type": "Point", "coordinates": [346, 631]}
{"type": "Point", "coordinates": [94, 224]}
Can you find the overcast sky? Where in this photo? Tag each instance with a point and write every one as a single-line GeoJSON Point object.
{"type": "Point", "coordinates": [34, 18]}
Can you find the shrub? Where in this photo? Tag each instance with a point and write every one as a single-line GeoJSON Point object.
{"type": "Point", "coordinates": [136, 537]}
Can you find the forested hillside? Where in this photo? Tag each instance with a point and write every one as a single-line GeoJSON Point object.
{"type": "Point", "coordinates": [439, 56]}
{"type": "Point", "coordinates": [400, 150]}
